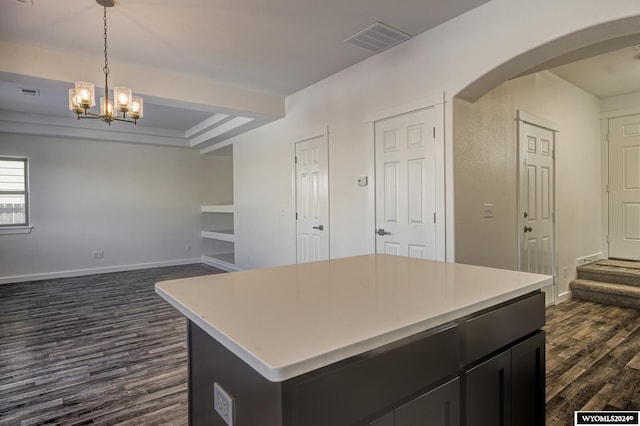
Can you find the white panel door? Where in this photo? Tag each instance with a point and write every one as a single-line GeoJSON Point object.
{"type": "Point", "coordinates": [537, 208]}
{"type": "Point", "coordinates": [624, 187]}
{"type": "Point", "coordinates": [405, 185]}
{"type": "Point", "coordinates": [312, 200]}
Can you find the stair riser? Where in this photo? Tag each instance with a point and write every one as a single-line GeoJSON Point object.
{"type": "Point", "coordinates": [607, 299]}
{"type": "Point", "coordinates": [609, 277]}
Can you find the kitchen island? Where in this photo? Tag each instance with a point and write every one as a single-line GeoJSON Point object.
{"type": "Point", "coordinates": [368, 340]}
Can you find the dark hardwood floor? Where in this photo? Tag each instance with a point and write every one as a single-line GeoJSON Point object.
{"type": "Point", "coordinates": [593, 360]}
{"type": "Point", "coordinates": [100, 349]}
{"type": "Point", "coordinates": [106, 350]}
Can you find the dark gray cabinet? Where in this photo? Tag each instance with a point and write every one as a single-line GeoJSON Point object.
{"type": "Point", "coordinates": [508, 388]}
{"type": "Point", "coordinates": [441, 407]}
{"type": "Point", "coordinates": [528, 381]}
{"type": "Point", "coordinates": [483, 369]}
{"type": "Point", "coordinates": [438, 407]}
{"type": "Point", "coordinates": [387, 420]}
{"type": "Point", "coordinates": [488, 392]}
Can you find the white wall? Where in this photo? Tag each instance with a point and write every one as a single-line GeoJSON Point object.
{"type": "Point", "coordinates": [444, 59]}
{"type": "Point", "coordinates": [139, 204]}
{"type": "Point", "coordinates": [618, 106]}
{"type": "Point", "coordinates": [217, 179]}
{"type": "Point", "coordinates": [486, 166]}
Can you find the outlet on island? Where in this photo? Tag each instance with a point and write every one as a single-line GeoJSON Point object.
{"type": "Point", "coordinates": [223, 404]}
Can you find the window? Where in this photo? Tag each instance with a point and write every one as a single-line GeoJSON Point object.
{"type": "Point", "coordinates": [14, 196]}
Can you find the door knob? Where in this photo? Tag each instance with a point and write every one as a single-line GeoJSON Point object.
{"type": "Point", "coordinates": [319, 227]}
{"type": "Point", "coordinates": [382, 232]}
{"type": "Point", "coordinates": [528, 229]}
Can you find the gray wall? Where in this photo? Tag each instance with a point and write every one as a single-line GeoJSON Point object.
{"type": "Point", "coordinates": [138, 204]}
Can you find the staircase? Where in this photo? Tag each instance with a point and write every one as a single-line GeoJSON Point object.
{"type": "Point", "coordinates": [612, 282]}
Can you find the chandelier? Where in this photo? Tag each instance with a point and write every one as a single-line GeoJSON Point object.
{"type": "Point", "coordinates": [122, 106]}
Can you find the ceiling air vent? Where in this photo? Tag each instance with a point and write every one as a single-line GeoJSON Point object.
{"type": "Point", "coordinates": [31, 92]}
{"type": "Point", "coordinates": [378, 37]}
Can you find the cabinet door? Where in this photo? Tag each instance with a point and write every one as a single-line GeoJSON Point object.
{"type": "Point", "coordinates": [439, 407]}
{"type": "Point", "coordinates": [528, 381]}
{"type": "Point", "coordinates": [488, 392]}
{"type": "Point", "coordinates": [386, 420]}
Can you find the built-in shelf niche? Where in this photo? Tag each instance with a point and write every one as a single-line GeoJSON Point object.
{"type": "Point", "coordinates": [218, 231]}
{"type": "Point", "coordinates": [218, 227]}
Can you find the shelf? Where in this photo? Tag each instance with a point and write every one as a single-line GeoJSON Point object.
{"type": "Point", "coordinates": [223, 257]}
{"type": "Point", "coordinates": [223, 261]}
{"type": "Point", "coordinates": [223, 235]}
{"type": "Point", "coordinates": [217, 218]}
{"type": "Point", "coordinates": [218, 209]}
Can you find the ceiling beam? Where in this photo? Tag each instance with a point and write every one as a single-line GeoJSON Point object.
{"type": "Point", "coordinates": [220, 130]}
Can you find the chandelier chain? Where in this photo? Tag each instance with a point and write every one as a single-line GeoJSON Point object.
{"type": "Point", "coordinates": [106, 61]}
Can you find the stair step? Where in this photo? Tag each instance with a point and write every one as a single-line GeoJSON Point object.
{"type": "Point", "coordinates": [611, 271]}
{"type": "Point", "coordinates": [607, 293]}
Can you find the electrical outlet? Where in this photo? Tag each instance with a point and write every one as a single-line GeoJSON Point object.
{"type": "Point", "coordinates": [223, 404]}
{"type": "Point", "coordinates": [187, 248]}
{"type": "Point", "coordinates": [97, 255]}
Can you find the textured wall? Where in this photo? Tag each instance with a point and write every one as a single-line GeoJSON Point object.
{"type": "Point", "coordinates": [486, 167]}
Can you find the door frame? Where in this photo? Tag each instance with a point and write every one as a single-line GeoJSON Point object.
{"type": "Point", "coordinates": [317, 133]}
{"type": "Point", "coordinates": [607, 167]}
{"type": "Point", "coordinates": [523, 117]}
{"type": "Point", "coordinates": [437, 102]}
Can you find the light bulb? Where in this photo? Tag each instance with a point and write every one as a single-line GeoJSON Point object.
{"type": "Point", "coordinates": [106, 109]}
{"type": "Point", "coordinates": [74, 102]}
{"type": "Point", "coordinates": [122, 98]}
{"type": "Point", "coordinates": [137, 107]}
{"type": "Point", "coordinates": [85, 94]}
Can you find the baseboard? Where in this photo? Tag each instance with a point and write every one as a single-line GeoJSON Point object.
{"type": "Point", "coordinates": [207, 260]}
{"type": "Point", "coordinates": [92, 271]}
{"type": "Point", "coordinates": [563, 297]}
{"type": "Point", "coordinates": [588, 259]}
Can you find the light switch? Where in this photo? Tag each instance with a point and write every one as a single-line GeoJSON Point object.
{"type": "Point", "coordinates": [363, 181]}
{"type": "Point", "coordinates": [488, 210]}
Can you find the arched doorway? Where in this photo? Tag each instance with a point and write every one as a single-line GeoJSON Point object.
{"type": "Point", "coordinates": [486, 156]}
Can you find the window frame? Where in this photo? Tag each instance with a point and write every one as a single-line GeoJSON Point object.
{"type": "Point", "coordinates": [25, 192]}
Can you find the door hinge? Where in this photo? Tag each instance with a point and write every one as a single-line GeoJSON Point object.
{"type": "Point", "coordinates": [607, 187]}
{"type": "Point", "coordinates": [296, 215]}
{"type": "Point", "coordinates": [434, 132]}
{"type": "Point", "coordinates": [434, 218]}
{"type": "Point", "coordinates": [607, 239]}
{"type": "Point", "coordinates": [607, 137]}
{"type": "Point", "coordinates": [553, 217]}
{"type": "Point", "coordinates": [295, 159]}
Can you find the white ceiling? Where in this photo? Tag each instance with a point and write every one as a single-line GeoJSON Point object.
{"type": "Point", "coordinates": [273, 47]}
{"type": "Point", "coordinates": [611, 74]}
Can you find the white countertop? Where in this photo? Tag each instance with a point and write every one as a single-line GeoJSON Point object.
{"type": "Point", "coordinates": [290, 320]}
